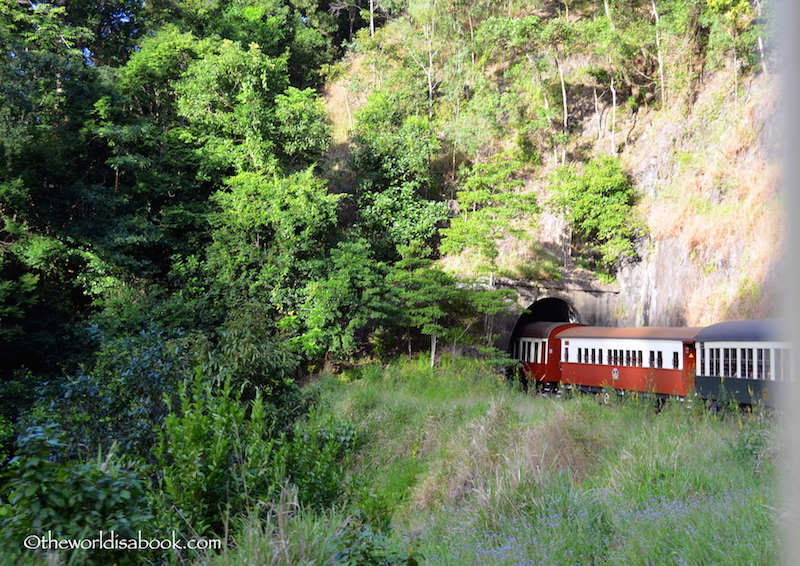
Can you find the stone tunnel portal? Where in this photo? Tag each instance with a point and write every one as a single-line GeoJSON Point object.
{"type": "Point", "coordinates": [545, 310]}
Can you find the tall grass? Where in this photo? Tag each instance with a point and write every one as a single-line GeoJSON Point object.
{"type": "Point", "coordinates": [478, 473]}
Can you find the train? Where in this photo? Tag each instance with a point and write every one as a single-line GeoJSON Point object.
{"type": "Point", "coordinates": [746, 362]}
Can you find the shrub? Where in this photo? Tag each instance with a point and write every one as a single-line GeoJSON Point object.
{"type": "Point", "coordinates": [598, 204]}
{"type": "Point", "coordinates": [221, 458]}
{"type": "Point", "coordinates": [69, 500]}
{"type": "Point", "coordinates": [361, 546]}
{"type": "Point", "coordinates": [120, 399]}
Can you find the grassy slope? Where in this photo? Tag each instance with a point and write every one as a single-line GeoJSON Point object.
{"type": "Point", "coordinates": [471, 472]}
{"type": "Point", "coordinates": [485, 475]}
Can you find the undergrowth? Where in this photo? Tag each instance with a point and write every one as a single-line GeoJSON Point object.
{"type": "Point", "coordinates": [455, 466]}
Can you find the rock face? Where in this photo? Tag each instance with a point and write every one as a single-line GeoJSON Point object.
{"type": "Point", "coordinates": [708, 181]}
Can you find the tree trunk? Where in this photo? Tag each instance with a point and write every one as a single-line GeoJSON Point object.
{"type": "Point", "coordinates": [598, 114]}
{"type": "Point", "coordinates": [564, 104]}
{"type": "Point", "coordinates": [660, 58]}
{"type": "Point", "coordinates": [608, 14]}
{"type": "Point", "coordinates": [433, 350]}
{"type": "Point", "coordinates": [372, 18]}
{"type": "Point", "coordinates": [613, 117]}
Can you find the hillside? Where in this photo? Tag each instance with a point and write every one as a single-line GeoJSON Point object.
{"type": "Point", "coordinates": [697, 141]}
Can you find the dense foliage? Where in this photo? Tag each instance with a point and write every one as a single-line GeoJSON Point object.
{"type": "Point", "coordinates": [182, 238]}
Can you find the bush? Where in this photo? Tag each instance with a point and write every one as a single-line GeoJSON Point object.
{"type": "Point", "coordinates": [598, 204]}
{"type": "Point", "coordinates": [361, 546]}
{"type": "Point", "coordinates": [121, 399]}
{"type": "Point", "coordinates": [220, 458]}
{"type": "Point", "coordinates": [68, 500]}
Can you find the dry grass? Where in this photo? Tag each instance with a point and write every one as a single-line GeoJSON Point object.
{"type": "Point", "coordinates": [494, 456]}
{"type": "Point", "coordinates": [342, 101]}
{"type": "Point", "coordinates": [719, 198]}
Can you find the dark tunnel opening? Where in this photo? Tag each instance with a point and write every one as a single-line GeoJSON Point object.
{"type": "Point", "coordinates": [546, 310]}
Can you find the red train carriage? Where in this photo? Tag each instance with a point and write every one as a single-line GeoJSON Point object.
{"type": "Point", "coordinates": [537, 347]}
{"type": "Point", "coordinates": [654, 360]}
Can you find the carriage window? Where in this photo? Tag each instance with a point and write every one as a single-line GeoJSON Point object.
{"type": "Point", "coordinates": [593, 355]}
{"type": "Point", "coordinates": [759, 372]}
{"type": "Point", "coordinates": [747, 357]}
{"type": "Point", "coordinates": [729, 362]}
{"type": "Point", "coordinates": [536, 352]}
{"type": "Point", "coordinates": [782, 364]}
{"type": "Point", "coordinates": [566, 354]}
{"type": "Point", "coordinates": [660, 359]}
{"type": "Point", "coordinates": [652, 359]}
{"type": "Point", "coordinates": [641, 363]}
{"type": "Point", "coordinates": [599, 355]}
{"type": "Point", "coordinates": [609, 358]}
{"type": "Point", "coordinates": [714, 361]}
{"type": "Point", "coordinates": [580, 354]}
{"type": "Point", "coordinates": [675, 360]}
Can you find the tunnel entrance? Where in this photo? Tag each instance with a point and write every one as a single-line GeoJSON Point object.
{"type": "Point", "coordinates": [546, 310]}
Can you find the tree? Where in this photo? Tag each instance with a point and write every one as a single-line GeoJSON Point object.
{"type": "Point", "coordinates": [299, 30]}
{"type": "Point", "coordinates": [353, 301]}
{"type": "Point", "coordinates": [490, 204]}
{"type": "Point", "coordinates": [270, 235]}
{"type": "Point", "coordinates": [397, 192]}
{"type": "Point", "coordinates": [598, 204]}
{"type": "Point", "coordinates": [228, 96]}
{"type": "Point", "coordinates": [49, 170]}
{"type": "Point", "coordinates": [426, 296]}
{"type": "Point", "coordinates": [304, 131]}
